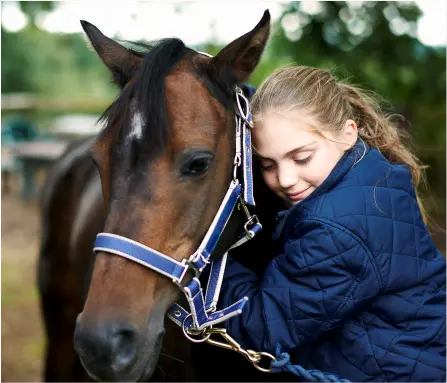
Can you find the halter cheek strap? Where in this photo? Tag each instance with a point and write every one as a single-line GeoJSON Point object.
{"type": "Point", "coordinates": [202, 312]}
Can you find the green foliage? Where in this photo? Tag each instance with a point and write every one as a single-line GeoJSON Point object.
{"type": "Point", "coordinates": [32, 8]}
{"type": "Point", "coordinates": [15, 62]}
{"type": "Point", "coordinates": [53, 65]}
{"type": "Point", "coordinates": [358, 42]}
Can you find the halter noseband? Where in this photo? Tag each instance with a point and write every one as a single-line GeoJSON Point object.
{"type": "Point", "coordinates": [203, 309]}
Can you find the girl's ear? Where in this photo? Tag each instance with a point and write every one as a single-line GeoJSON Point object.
{"type": "Point", "coordinates": [350, 132]}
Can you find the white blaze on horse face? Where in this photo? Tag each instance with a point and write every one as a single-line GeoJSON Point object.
{"type": "Point", "coordinates": [137, 126]}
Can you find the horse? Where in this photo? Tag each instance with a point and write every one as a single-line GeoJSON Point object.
{"type": "Point", "coordinates": [159, 170]}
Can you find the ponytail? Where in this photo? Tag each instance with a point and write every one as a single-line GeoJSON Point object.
{"type": "Point", "coordinates": [384, 133]}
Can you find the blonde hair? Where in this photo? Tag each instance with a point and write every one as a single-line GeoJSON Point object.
{"type": "Point", "coordinates": [332, 102]}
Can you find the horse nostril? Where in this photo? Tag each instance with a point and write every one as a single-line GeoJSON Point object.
{"type": "Point", "coordinates": [107, 350]}
{"type": "Point", "coordinates": [123, 341]}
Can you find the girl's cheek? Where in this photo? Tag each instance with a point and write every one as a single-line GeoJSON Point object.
{"type": "Point", "coordinates": [319, 172]}
{"type": "Point", "coordinates": [310, 174]}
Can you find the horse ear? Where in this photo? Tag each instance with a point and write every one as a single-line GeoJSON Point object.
{"type": "Point", "coordinates": [121, 61]}
{"type": "Point", "coordinates": [243, 54]}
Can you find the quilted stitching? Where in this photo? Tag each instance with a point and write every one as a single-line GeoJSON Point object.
{"type": "Point", "coordinates": [359, 289]}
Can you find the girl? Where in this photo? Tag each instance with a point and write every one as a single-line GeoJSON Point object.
{"type": "Point", "coordinates": [357, 287]}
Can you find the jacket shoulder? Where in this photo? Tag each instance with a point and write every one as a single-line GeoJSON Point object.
{"type": "Point", "coordinates": [374, 188]}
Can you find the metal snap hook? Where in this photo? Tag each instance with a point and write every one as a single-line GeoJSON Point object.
{"type": "Point", "coordinates": [252, 356]}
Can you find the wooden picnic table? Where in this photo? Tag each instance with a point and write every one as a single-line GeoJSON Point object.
{"type": "Point", "coordinates": [32, 155]}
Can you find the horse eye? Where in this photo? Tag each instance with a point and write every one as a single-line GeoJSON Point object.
{"type": "Point", "coordinates": [196, 164]}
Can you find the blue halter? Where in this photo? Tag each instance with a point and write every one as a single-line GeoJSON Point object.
{"type": "Point", "coordinates": [203, 312]}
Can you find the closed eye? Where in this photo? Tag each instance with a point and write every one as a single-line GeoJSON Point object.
{"type": "Point", "coordinates": [304, 161]}
{"type": "Point", "coordinates": [267, 167]}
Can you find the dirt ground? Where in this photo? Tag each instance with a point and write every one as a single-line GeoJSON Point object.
{"type": "Point", "coordinates": [22, 331]}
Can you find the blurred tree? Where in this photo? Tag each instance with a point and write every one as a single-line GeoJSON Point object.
{"type": "Point", "coordinates": [372, 42]}
{"type": "Point", "coordinates": [50, 64]}
{"type": "Point", "coordinates": [15, 63]}
{"type": "Point", "coordinates": [32, 9]}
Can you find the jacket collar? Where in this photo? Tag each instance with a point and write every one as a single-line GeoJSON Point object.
{"type": "Point", "coordinates": [349, 159]}
{"type": "Point", "coordinates": [343, 166]}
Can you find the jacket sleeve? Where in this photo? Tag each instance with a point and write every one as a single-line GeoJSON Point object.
{"type": "Point", "coordinates": [324, 274]}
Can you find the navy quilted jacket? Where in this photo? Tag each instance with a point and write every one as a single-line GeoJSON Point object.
{"type": "Point", "coordinates": [357, 287]}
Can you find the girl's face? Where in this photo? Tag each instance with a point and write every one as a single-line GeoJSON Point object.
{"type": "Point", "coordinates": [294, 158]}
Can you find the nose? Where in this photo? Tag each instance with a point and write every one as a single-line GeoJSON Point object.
{"type": "Point", "coordinates": [107, 351]}
{"type": "Point", "coordinates": [287, 176]}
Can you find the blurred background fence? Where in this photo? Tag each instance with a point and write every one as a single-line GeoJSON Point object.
{"type": "Point", "coordinates": [53, 88]}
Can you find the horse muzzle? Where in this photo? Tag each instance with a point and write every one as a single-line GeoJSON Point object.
{"type": "Point", "coordinates": [116, 351]}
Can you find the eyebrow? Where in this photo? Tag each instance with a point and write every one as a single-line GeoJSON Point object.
{"type": "Point", "coordinates": [288, 154]}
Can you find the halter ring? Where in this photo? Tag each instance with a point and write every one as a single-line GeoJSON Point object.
{"type": "Point", "coordinates": [186, 332]}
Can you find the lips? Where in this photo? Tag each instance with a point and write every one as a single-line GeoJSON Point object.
{"type": "Point", "coordinates": [297, 196]}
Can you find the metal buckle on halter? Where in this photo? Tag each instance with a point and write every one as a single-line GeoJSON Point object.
{"type": "Point", "coordinates": [211, 309]}
{"type": "Point", "coordinates": [237, 163]}
{"type": "Point", "coordinates": [194, 258]}
{"type": "Point", "coordinates": [189, 266]}
{"type": "Point", "coordinates": [240, 111]}
{"type": "Point", "coordinates": [253, 220]}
